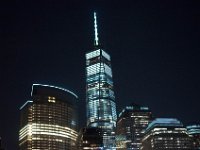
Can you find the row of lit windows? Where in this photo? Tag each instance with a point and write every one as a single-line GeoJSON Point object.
{"type": "Point", "coordinates": [102, 85]}
{"type": "Point", "coordinates": [102, 77]}
{"type": "Point", "coordinates": [104, 93]}
{"type": "Point", "coordinates": [97, 60]}
{"type": "Point", "coordinates": [97, 68]}
{"type": "Point", "coordinates": [157, 131]}
{"type": "Point", "coordinates": [47, 105]}
{"type": "Point", "coordinates": [97, 53]}
{"type": "Point", "coordinates": [46, 129]}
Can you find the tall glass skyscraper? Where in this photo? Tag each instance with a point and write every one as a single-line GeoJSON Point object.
{"type": "Point", "coordinates": [49, 120]}
{"type": "Point", "coordinates": [100, 98]}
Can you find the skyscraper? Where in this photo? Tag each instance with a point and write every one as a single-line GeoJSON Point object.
{"type": "Point", "coordinates": [100, 98]}
{"type": "Point", "coordinates": [131, 125]}
{"type": "Point", "coordinates": [166, 133]}
{"type": "Point", "coordinates": [49, 119]}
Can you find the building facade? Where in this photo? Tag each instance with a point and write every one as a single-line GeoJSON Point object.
{"type": "Point", "coordinates": [100, 98]}
{"type": "Point", "coordinates": [131, 125]}
{"type": "Point", "coordinates": [49, 119]}
{"type": "Point", "coordinates": [90, 139]}
{"type": "Point", "coordinates": [194, 133]}
{"type": "Point", "coordinates": [166, 133]}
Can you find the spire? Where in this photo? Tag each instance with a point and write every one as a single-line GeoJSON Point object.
{"type": "Point", "coordinates": [96, 40]}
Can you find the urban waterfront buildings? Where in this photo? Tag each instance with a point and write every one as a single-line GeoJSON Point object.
{"type": "Point", "coordinates": [194, 133]}
{"type": "Point", "coordinates": [100, 97]}
{"type": "Point", "coordinates": [49, 120]}
{"type": "Point", "coordinates": [166, 133]}
{"type": "Point", "coordinates": [131, 125]}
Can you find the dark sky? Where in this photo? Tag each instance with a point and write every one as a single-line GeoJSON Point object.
{"type": "Point", "coordinates": [154, 48]}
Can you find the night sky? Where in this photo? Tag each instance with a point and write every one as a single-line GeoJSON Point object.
{"type": "Point", "coordinates": [154, 47]}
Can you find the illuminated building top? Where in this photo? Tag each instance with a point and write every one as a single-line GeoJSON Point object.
{"type": "Point", "coordinates": [96, 40]}
{"type": "Point", "coordinates": [133, 107]}
{"type": "Point", "coordinates": [159, 122]}
{"type": "Point", "coordinates": [194, 132]}
{"type": "Point", "coordinates": [194, 129]}
{"type": "Point", "coordinates": [52, 87]}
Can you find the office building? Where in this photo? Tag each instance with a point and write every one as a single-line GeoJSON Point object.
{"type": "Point", "coordinates": [194, 133]}
{"type": "Point", "coordinates": [90, 139]}
{"type": "Point", "coordinates": [166, 133]}
{"type": "Point", "coordinates": [49, 120]}
{"type": "Point", "coordinates": [131, 125]}
{"type": "Point", "coordinates": [100, 98]}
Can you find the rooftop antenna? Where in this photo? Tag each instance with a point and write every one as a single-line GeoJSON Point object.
{"type": "Point", "coordinates": [96, 40]}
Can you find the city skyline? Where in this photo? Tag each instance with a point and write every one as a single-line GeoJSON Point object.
{"type": "Point", "coordinates": [153, 48]}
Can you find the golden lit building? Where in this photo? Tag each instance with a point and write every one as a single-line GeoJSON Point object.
{"type": "Point", "coordinates": [49, 120]}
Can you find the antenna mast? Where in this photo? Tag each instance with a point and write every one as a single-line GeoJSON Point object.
{"type": "Point", "coordinates": [96, 40]}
